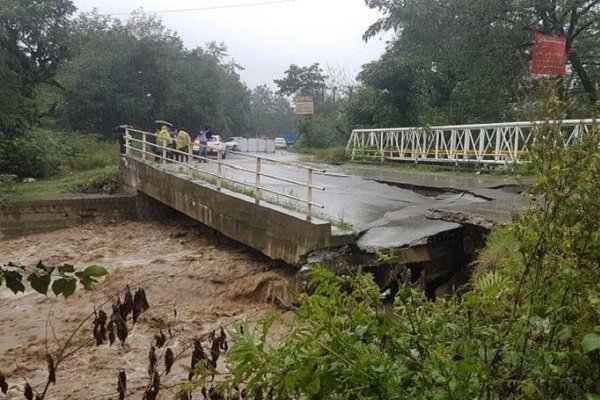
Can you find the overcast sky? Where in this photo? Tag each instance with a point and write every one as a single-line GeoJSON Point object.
{"type": "Point", "coordinates": [266, 39]}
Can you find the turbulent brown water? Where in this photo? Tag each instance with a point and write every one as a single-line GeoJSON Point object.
{"type": "Point", "coordinates": [210, 281]}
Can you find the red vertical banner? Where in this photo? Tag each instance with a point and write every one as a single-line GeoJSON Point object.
{"type": "Point", "coordinates": [549, 55]}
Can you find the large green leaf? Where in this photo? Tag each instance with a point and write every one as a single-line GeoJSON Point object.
{"type": "Point", "coordinates": [40, 282]}
{"type": "Point", "coordinates": [93, 271]}
{"type": "Point", "coordinates": [590, 342]}
{"type": "Point", "coordinates": [13, 281]}
{"type": "Point", "coordinates": [64, 286]}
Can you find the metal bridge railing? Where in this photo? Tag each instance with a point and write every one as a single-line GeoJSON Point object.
{"type": "Point", "coordinates": [137, 145]}
{"type": "Point", "coordinates": [503, 143]}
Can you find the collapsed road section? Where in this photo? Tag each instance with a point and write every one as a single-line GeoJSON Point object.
{"type": "Point", "coordinates": [421, 227]}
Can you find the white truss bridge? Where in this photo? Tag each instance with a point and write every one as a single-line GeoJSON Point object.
{"type": "Point", "coordinates": [501, 143]}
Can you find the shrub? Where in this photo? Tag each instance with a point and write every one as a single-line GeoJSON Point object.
{"type": "Point", "coordinates": [89, 151]}
{"type": "Point", "coordinates": [107, 183]}
{"type": "Point", "coordinates": [335, 155]}
{"type": "Point", "coordinates": [6, 188]}
{"type": "Point", "coordinates": [41, 153]}
{"type": "Point", "coordinates": [38, 154]}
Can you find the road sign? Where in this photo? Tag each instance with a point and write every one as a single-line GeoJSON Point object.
{"type": "Point", "coordinates": [304, 105]}
{"type": "Point", "coordinates": [549, 55]}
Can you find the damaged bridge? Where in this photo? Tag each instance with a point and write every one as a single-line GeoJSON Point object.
{"type": "Point", "coordinates": [301, 214]}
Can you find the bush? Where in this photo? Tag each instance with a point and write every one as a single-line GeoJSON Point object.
{"type": "Point", "coordinates": [335, 155]}
{"type": "Point", "coordinates": [107, 183]}
{"type": "Point", "coordinates": [6, 188]}
{"type": "Point", "coordinates": [321, 132]}
{"type": "Point", "coordinates": [38, 154]}
{"type": "Point", "coordinates": [42, 153]}
{"type": "Point", "coordinates": [90, 152]}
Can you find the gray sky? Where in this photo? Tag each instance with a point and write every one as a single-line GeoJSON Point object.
{"type": "Point", "coordinates": [266, 39]}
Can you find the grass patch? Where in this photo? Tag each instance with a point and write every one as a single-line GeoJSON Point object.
{"type": "Point", "coordinates": [58, 185]}
{"type": "Point", "coordinates": [88, 152]}
{"type": "Point", "coordinates": [500, 252]}
{"type": "Point", "coordinates": [329, 155]}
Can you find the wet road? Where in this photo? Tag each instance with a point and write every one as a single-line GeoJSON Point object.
{"type": "Point", "coordinates": [385, 215]}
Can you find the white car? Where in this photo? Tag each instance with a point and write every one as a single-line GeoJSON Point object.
{"type": "Point", "coordinates": [280, 143]}
{"type": "Point", "coordinates": [215, 145]}
{"type": "Point", "coordinates": [232, 144]}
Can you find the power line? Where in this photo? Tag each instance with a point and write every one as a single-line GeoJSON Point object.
{"type": "Point", "coordinates": [239, 5]}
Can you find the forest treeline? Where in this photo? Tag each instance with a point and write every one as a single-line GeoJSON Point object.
{"type": "Point", "coordinates": [446, 62]}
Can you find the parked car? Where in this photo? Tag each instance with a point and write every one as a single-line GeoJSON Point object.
{"type": "Point", "coordinates": [290, 138]}
{"type": "Point", "coordinates": [280, 143]}
{"type": "Point", "coordinates": [214, 146]}
{"type": "Point", "coordinates": [231, 144]}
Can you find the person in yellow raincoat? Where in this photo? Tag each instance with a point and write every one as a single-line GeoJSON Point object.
{"type": "Point", "coordinates": [182, 144]}
{"type": "Point", "coordinates": [162, 140]}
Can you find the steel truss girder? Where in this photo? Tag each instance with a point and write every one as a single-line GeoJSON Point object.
{"type": "Point", "coordinates": [502, 143]}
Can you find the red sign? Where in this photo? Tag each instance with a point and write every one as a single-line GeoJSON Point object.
{"type": "Point", "coordinates": [304, 105]}
{"type": "Point", "coordinates": [549, 55]}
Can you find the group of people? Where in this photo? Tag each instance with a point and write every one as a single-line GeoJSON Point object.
{"type": "Point", "coordinates": [176, 145]}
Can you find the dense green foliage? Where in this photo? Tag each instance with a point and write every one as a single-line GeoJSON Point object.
{"type": "Point", "coordinates": [92, 73]}
{"type": "Point", "coordinates": [466, 61]}
{"type": "Point", "coordinates": [456, 61]}
{"type": "Point", "coordinates": [107, 183]}
{"type": "Point", "coordinates": [270, 113]}
{"type": "Point", "coordinates": [41, 153]}
{"type": "Point", "coordinates": [527, 326]}
{"type": "Point", "coordinates": [139, 71]}
{"type": "Point", "coordinates": [7, 188]}
{"type": "Point", "coordinates": [327, 127]}
{"type": "Point", "coordinates": [33, 45]}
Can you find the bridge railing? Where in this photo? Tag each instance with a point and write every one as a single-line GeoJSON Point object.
{"type": "Point", "coordinates": [143, 145]}
{"type": "Point", "coordinates": [503, 143]}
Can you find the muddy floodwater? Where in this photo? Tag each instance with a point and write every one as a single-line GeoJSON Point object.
{"type": "Point", "coordinates": [195, 281]}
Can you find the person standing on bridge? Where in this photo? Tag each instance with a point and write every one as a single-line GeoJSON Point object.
{"type": "Point", "coordinates": [203, 142]}
{"type": "Point", "coordinates": [183, 143]}
{"type": "Point", "coordinates": [163, 140]}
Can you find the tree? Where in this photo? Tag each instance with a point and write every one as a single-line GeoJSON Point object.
{"type": "Point", "coordinates": [303, 81]}
{"type": "Point", "coordinates": [139, 71]}
{"type": "Point", "coordinates": [327, 127]}
{"type": "Point", "coordinates": [34, 39]}
{"type": "Point", "coordinates": [470, 58]}
{"type": "Point", "coordinates": [270, 114]}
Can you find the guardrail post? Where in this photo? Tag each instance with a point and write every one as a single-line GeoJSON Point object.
{"type": "Point", "coordinates": [189, 159]}
{"type": "Point", "coordinates": [219, 171]}
{"type": "Point", "coordinates": [144, 146]}
{"type": "Point", "coordinates": [309, 199]}
{"type": "Point", "coordinates": [257, 182]}
{"type": "Point", "coordinates": [127, 142]}
{"type": "Point", "coordinates": [164, 155]}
